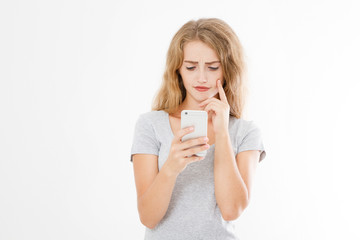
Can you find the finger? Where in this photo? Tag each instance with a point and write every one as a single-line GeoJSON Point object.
{"type": "Point", "coordinates": [182, 132]}
{"type": "Point", "coordinates": [206, 101]}
{"type": "Point", "coordinates": [194, 142]}
{"type": "Point", "coordinates": [194, 159]}
{"type": "Point", "coordinates": [192, 151]}
{"type": "Point", "coordinates": [221, 92]}
{"type": "Point", "coordinates": [214, 106]}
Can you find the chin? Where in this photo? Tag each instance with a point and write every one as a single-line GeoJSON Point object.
{"type": "Point", "coordinates": [211, 94]}
{"type": "Point", "coordinates": [200, 97]}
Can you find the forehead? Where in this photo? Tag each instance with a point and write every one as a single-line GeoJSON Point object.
{"type": "Point", "coordinates": [199, 51]}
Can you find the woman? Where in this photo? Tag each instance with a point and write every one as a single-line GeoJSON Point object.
{"type": "Point", "coordinates": [194, 197]}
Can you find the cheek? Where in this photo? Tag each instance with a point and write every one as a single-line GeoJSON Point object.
{"type": "Point", "coordinates": [215, 74]}
{"type": "Point", "coordinates": [186, 77]}
{"type": "Point", "coordinates": [219, 74]}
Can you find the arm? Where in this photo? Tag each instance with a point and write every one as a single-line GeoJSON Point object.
{"type": "Point", "coordinates": [233, 177]}
{"type": "Point", "coordinates": [154, 189]}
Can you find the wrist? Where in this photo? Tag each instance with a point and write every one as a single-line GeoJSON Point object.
{"type": "Point", "coordinates": [222, 134]}
{"type": "Point", "coordinates": [168, 172]}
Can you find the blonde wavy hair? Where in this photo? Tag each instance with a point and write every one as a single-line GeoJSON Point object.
{"type": "Point", "coordinates": [222, 39]}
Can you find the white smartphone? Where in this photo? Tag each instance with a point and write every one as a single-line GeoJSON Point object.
{"type": "Point", "coordinates": [198, 119]}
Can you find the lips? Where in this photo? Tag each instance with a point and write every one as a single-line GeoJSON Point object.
{"type": "Point", "coordinates": [202, 89]}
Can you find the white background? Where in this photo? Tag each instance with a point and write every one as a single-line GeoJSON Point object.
{"type": "Point", "coordinates": [75, 75]}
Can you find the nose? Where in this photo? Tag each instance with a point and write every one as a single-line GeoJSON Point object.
{"type": "Point", "coordinates": [202, 76]}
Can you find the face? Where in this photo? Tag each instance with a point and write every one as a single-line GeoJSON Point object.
{"type": "Point", "coordinates": [200, 70]}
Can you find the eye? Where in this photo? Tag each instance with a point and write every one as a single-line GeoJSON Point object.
{"type": "Point", "coordinates": [214, 68]}
{"type": "Point", "coordinates": [190, 68]}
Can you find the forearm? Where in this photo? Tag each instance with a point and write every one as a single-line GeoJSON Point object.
{"type": "Point", "coordinates": [230, 189]}
{"type": "Point", "coordinates": [153, 204]}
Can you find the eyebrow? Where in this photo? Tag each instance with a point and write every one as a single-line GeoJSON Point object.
{"type": "Point", "coordinates": [193, 62]}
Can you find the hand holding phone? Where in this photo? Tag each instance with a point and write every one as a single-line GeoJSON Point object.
{"type": "Point", "coordinates": [183, 152]}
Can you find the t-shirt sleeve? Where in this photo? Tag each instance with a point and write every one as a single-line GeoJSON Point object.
{"type": "Point", "coordinates": [144, 140]}
{"type": "Point", "coordinates": [251, 141]}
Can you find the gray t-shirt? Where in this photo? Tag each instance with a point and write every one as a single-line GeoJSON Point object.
{"type": "Point", "coordinates": [193, 212]}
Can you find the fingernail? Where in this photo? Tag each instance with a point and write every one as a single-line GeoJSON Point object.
{"type": "Point", "coordinates": [191, 128]}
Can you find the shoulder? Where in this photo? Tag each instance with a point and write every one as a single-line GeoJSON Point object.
{"type": "Point", "coordinates": [152, 121]}
{"type": "Point", "coordinates": [149, 124]}
{"type": "Point", "coordinates": [152, 116]}
{"type": "Point", "coordinates": [241, 123]}
{"type": "Point", "coordinates": [240, 126]}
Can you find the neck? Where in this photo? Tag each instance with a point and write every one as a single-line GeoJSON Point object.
{"type": "Point", "coordinates": [190, 106]}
